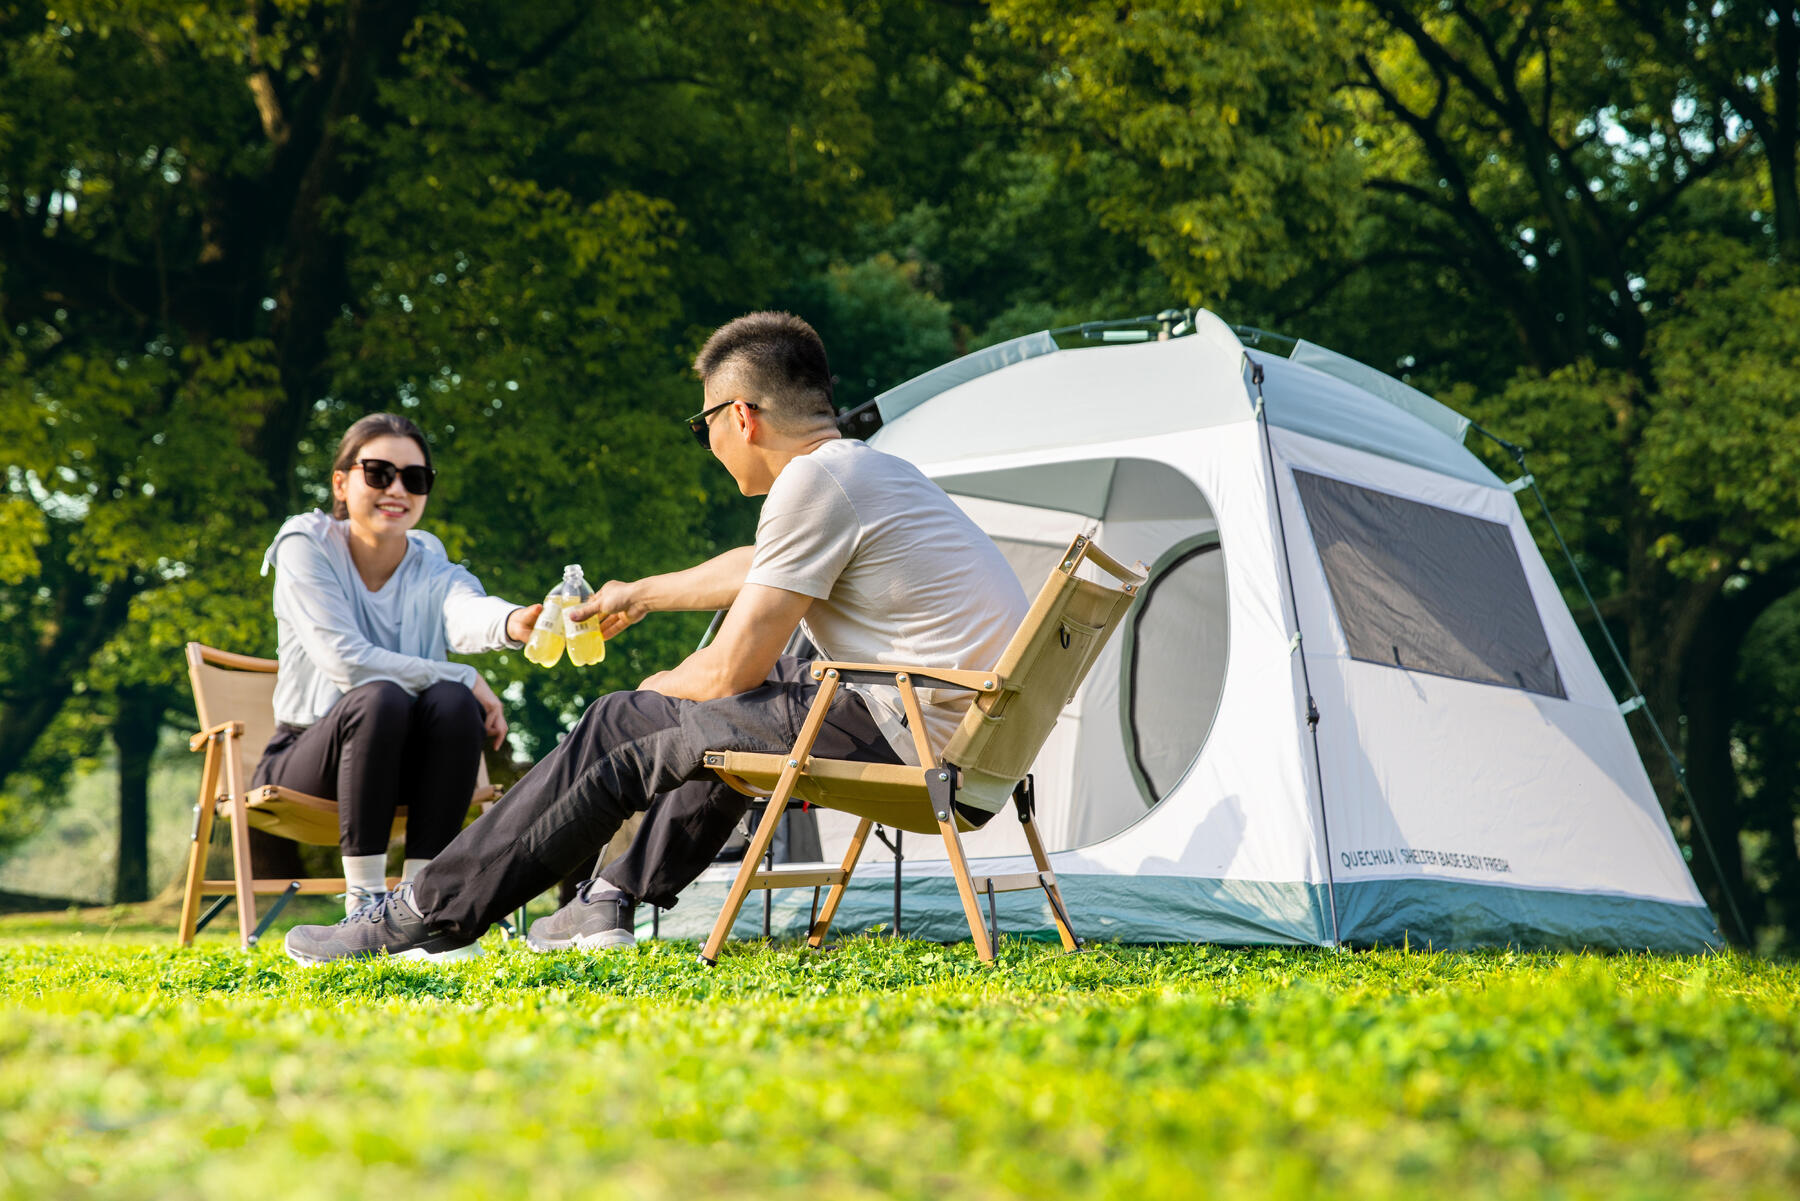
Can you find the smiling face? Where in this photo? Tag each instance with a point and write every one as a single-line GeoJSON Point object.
{"type": "Point", "coordinates": [381, 512]}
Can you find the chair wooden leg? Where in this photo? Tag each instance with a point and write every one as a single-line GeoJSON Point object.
{"type": "Point", "coordinates": [740, 887]}
{"type": "Point", "coordinates": [778, 803]}
{"type": "Point", "coordinates": [1059, 908]}
{"type": "Point", "coordinates": [815, 938]}
{"type": "Point", "coordinates": [203, 823]}
{"type": "Point", "coordinates": [960, 866]}
{"type": "Point", "coordinates": [243, 876]}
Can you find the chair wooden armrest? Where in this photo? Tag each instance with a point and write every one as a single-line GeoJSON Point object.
{"type": "Point", "coordinates": [207, 735]}
{"type": "Point", "coordinates": [881, 673]}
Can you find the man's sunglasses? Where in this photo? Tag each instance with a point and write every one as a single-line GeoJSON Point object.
{"type": "Point", "coordinates": [700, 424]}
{"type": "Point", "coordinates": [379, 474]}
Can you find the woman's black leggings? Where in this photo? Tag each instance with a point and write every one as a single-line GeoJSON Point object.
{"type": "Point", "coordinates": [380, 747]}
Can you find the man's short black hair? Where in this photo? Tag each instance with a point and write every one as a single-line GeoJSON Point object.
{"type": "Point", "coordinates": [780, 359]}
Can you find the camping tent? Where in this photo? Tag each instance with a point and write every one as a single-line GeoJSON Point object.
{"type": "Point", "coordinates": [1316, 534]}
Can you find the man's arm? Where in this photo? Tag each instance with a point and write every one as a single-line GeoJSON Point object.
{"type": "Point", "coordinates": [744, 652]}
{"type": "Point", "coordinates": [713, 584]}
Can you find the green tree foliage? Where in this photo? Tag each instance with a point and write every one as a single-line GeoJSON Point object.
{"type": "Point", "coordinates": [1576, 173]}
{"type": "Point", "coordinates": [1576, 221]}
{"type": "Point", "coordinates": [1203, 132]}
{"type": "Point", "coordinates": [880, 328]}
{"type": "Point", "coordinates": [511, 222]}
{"type": "Point", "coordinates": [516, 222]}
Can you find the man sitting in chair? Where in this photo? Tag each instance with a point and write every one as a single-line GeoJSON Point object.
{"type": "Point", "coordinates": [859, 547]}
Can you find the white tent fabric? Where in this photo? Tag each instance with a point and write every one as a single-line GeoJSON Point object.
{"type": "Point", "coordinates": [1450, 811]}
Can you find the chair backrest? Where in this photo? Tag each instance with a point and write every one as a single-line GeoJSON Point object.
{"type": "Point", "coordinates": [1041, 669]}
{"type": "Point", "coordinates": [230, 687]}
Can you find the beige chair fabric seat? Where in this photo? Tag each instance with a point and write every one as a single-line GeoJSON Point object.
{"type": "Point", "coordinates": [886, 793]}
{"type": "Point", "coordinates": [300, 817]}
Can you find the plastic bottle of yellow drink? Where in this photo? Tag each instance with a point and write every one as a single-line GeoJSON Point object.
{"type": "Point", "coordinates": [545, 647]}
{"type": "Point", "coordinates": [586, 646]}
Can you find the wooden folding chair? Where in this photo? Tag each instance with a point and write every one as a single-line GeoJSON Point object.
{"type": "Point", "coordinates": [986, 760]}
{"type": "Point", "coordinates": [234, 698]}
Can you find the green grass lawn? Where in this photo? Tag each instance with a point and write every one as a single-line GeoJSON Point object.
{"type": "Point", "coordinates": [131, 1069]}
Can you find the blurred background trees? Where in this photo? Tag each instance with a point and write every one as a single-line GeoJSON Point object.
{"type": "Point", "coordinates": [225, 234]}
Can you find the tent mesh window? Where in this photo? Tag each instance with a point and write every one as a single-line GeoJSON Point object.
{"type": "Point", "coordinates": [1175, 664]}
{"type": "Point", "coordinates": [1428, 589]}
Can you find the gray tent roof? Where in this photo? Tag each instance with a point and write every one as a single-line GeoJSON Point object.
{"type": "Point", "coordinates": [1310, 390]}
{"type": "Point", "coordinates": [1301, 398]}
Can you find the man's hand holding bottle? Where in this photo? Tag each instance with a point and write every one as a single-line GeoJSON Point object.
{"type": "Point", "coordinates": [615, 604]}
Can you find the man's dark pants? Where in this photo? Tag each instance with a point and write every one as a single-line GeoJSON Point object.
{"type": "Point", "coordinates": [628, 748]}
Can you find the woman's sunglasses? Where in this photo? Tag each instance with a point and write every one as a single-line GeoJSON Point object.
{"type": "Point", "coordinates": [379, 474]}
{"type": "Point", "coordinates": [700, 424]}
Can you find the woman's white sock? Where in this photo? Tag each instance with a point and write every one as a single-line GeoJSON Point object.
{"type": "Point", "coordinates": [363, 874]}
{"type": "Point", "coordinates": [410, 868]}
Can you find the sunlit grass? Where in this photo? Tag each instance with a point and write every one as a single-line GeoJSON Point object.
{"type": "Point", "coordinates": [130, 1069]}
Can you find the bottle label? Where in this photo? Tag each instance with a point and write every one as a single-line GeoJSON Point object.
{"type": "Point", "coordinates": [571, 627]}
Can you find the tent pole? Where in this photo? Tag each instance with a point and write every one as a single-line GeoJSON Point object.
{"type": "Point", "coordinates": [1517, 453]}
{"type": "Point", "coordinates": [1312, 710]}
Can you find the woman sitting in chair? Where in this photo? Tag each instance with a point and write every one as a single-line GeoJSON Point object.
{"type": "Point", "coordinates": [368, 711]}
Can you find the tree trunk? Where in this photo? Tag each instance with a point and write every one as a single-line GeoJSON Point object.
{"type": "Point", "coordinates": [273, 858]}
{"type": "Point", "coordinates": [30, 700]}
{"type": "Point", "coordinates": [1782, 181]}
{"type": "Point", "coordinates": [1782, 139]}
{"type": "Point", "coordinates": [313, 269]}
{"type": "Point", "coordinates": [1772, 813]}
{"type": "Point", "coordinates": [1685, 665]}
{"type": "Point", "coordinates": [135, 728]}
{"type": "Point", "coordinates": [1684, 652]}
{"type": "Point", "coordinates": [1653, 662]}
{"type": "Point", "coordinates": [1709, 703]}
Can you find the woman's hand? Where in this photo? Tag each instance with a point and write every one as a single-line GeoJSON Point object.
{"type": "Point", "coordinates": [617, 603]}
{"type": "Point", "coordinates": [493, 718]}
{"type": "Point", "coordinates": [520, 621]}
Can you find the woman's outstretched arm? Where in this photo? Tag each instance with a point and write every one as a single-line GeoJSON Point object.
{"type": "Point", "coordinates": [476, 622]}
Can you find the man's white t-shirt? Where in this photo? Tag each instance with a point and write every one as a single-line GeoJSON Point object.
{"type": "Point", "coordinates": [897, 573]}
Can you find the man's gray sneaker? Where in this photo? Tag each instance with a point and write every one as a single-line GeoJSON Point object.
{"type": "Point", "coordinates": [390, 926]}
{"type": "Point", "coordinates": [599, 917]}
